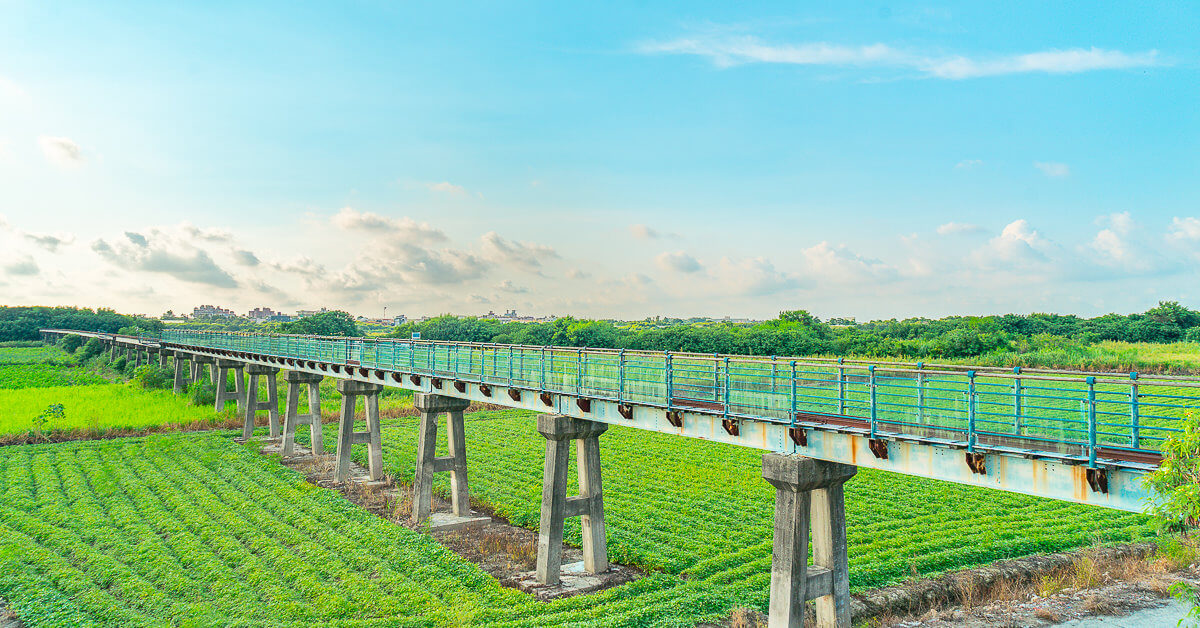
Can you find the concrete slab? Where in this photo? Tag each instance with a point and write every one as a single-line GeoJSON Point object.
{"type": "Point", "coordinates": [573, 580]}
{"type": "Point", "coordinates": [447, 522]}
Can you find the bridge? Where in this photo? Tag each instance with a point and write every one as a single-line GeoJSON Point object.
{"type": "Point", "coordinates": [1060, 434]}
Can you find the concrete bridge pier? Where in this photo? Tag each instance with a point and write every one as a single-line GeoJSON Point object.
{"type": "Point", "coordinates": [296, 380]}
{"type": "Point", "coordinates": [202, 364]}
{"type": "Point", "coordinates": [556, 506]}
{"type": "Point", "coordinates": [183, 379]}
{"type": "Point", "coordinates": [351, 390]}
{"type": "Point", "coordinates": [428, 463]}
{"type": "Point", "coordinates": [254, 374]}
{"type": "Point", "coordinates": [154, 356]}
{"type": "Point", "coordinates": [225, 396]}
{"type": "Point", "coordinates": [113, 348]}
{"type": "Point", "coordinates": [809, 494]}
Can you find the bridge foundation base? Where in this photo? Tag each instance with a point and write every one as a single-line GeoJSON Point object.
{"type": "Point", "coordinates": [560, 431]}
{"type": "Point", "coordinates": [297, 380]}
{"type": "Point", "coordinates": [351, 390]}
{"type": "Point", "coordinates": [809, 495]}
{"type": "Point", "coordinates": [429, 463]}
{"type": "Point", "coordinates": [255, 373]}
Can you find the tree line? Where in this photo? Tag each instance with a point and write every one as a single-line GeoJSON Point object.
{"type": "Point", "coordinates": [797, 332]}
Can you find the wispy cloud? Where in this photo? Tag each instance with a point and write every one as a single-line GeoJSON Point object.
{"type": "Point", "coordinates": [957, 228]}
{"type": "Point", "coordinates": [678, 261]}
{"type": "Point", "coordinates": [61, 151]}
{"type": "Point", "coordinates": [1053, 169]}
{"type": "Point", "coordinates": [445, 187]}
{"type": "Point", "coordinates": [731, 51]}
{"type": "Point", "coordinates": [967, 164]}
{"type": "Point", "coordinates": [644, 232]}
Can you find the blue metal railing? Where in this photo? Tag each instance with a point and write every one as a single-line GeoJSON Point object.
{"type": "Point", "coordinates": [1086, 415]}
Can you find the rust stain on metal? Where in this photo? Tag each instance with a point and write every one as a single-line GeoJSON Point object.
{"type": "Point", "coordinates": [1079, 483]}
{"type": "Point", "coordinates": [853, 450]}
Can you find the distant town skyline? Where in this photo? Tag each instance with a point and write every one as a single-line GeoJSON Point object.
{"type": "Point", "coordinates": [620, 161]}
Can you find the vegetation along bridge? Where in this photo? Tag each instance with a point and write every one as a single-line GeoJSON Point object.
{"type": "Point", "coordinates": [1066, 435]}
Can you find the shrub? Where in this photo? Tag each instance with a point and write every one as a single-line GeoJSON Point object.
{"type": "Point", "coordinates": [92, 348]}
{"type": "Point", "coordinates": [118, 364]}
{"type": "Point", "coordinates": [1193, 334]}
{"type": "Point", "coordinates": [1176, 482]}
{"type": "Point", "coordinates": [71, 343]}
{"type": "Point", "coordinates": [201, 394]}
{"type": "Point", "coordinates": [152, 376]}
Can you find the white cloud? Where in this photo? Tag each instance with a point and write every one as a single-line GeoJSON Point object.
{"type": "Point", "coordinates": [245, 258]}
{"type": "Point", "coordinates": [958, 228]}
{"type": "Point", "coordinates": [508, 286]}
{"type": "Point", "coordinates": [1071, 61]}
{"type": "Point", "coordinates": [164, 255]}
{"type": "Point", "coordinates": [643, 232]}
{"type": "Point", "coordinates": [1053, 169]}
{"type": "Point", "coordinates": [756, 277]}
{"type": "Point", "coordinates": [24, 267]}
{"type": "Point", "coordinates": [61, 151]}
{"type": "Point", "coordinates": [967, 164]}
{"type": "Point", "coordinates": [841, 264]}
{"type": "Point", "coordinates": [50, 242]}
{"type": "Point", "coordinates": [576, 273]}
{"type": "Point", "coordinates": [678, 261]}
{"type": "Point", "coordinates": [524, 255]}
{"type": "Point", "coordinates": [730, 51]}
{"type": "Point", "coordinates": [445, 187]}
{"type": "Point", "coordinates": [1018, 243]}
{"type": "Point", "coordinates": [1186, 228]}
{"type": "Point", "coordinates": [349, 219]}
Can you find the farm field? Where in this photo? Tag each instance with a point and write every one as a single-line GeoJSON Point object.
{"type": "Point", "coordinates": [177, 527]}
{"type": "Point", "coordinates": [28, 367]}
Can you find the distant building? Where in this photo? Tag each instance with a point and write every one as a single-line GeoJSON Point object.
{"type": "Point", "coordinates": [211, 311]}
{"type": "Point", "coordinates": [303, 313]}
{"type": "Point", "coordinates": [261, 314]}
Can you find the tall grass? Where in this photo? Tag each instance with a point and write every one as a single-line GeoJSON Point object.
{"type": "Point", "coordinates": [98, 409]}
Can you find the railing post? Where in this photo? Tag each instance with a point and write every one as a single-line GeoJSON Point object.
{"type": "Point", "coordinates": [726, 403]}
{"type": "Point", "coordinates": [542, 380]}
{"type": "Point", "coordinates": [792, 400]}
{"type": "Point", "coordinates": [970, 412]}
{"type": "Point", "coordinates": [578, 372]}
{"type": "Point", "coordinates": [920, 393]}
{"type": "Point", "coordinates": [1017, 427]}
{"type": "Point", "coordinates": [412, 356]}
{"type": "Point", "coordinates": [716, 377]}
{"type": "Point", "coordinates": [510, 366]}
{"type": "Point", "coordinates": [1135, 437]}
{"type": "Point", "coordinates": [1091, 414]}
{"type": "Point", "coordinates": [774, 371]}
{"type": "Point", "coordinates": [874, 413]}
{"type": "Point", "coordinates": [620, 376]}
{"type": "Point", "coordinates": [841, 386]}
{"type": "Point", "coordinates": [667, 376]}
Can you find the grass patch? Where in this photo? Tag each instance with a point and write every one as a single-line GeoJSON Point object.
{"type": "Point", "coordinates": [96, 410]}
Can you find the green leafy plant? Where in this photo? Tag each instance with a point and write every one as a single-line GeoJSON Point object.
{"type": "Point", "coordinates": [152, 376]}
{"type": "Point", "coordinates": [54, 411]}
{"type": "Point", "coordinates": [1176, 482]}
{"type": "Point", "coordinates": [201, 394]}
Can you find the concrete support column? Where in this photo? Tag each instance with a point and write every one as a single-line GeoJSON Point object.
{"type": "Point", "coordinates": [556, 506]}
{"type": "Point", "coordinates": [164, 357]}
{"type": "Point", "coordinates": [431, 407]}
{"type": "Point", "coordinates": [183, 379]}
{"type": "Point", "coordinates": [153, 356]}
{"type": "Point", "coordinates": [254, 374]}
{"type": "Point", "coordinates": [296, 380]}
{"type": "Point", "coordinates": [112, 350]}
{"type": "Point", "coordinates": [808, 494]}
{"type": "Point", "coordinates": [351, 390]}
{"type": "Point", "coordinates": [225, 396]}
{"type": "Point", "coordinates": [202, 364]}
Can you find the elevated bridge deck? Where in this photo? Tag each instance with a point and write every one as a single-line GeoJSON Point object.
{"type": "Point", "coordinates": [1081, 437]}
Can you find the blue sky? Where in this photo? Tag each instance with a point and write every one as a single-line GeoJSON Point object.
{"type": "Point", "coordinates": [609, 160]}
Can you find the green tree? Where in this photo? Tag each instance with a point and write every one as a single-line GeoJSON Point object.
{"type": "Point", "coordinates": [335, 323]}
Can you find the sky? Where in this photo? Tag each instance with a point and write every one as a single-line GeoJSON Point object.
{"type": "Point", "coordinates": [606, 160]}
